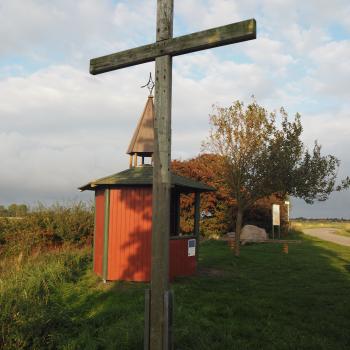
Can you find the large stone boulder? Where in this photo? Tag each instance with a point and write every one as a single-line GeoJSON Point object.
{"type": "Point", "coordinates": [251, 233]}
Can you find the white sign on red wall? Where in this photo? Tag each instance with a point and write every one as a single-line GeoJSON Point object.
{"type": "Point", "coordinates": [191, 245]}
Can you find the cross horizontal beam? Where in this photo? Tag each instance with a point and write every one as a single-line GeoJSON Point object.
{"type": "Point", "coordinates": [206, 39]}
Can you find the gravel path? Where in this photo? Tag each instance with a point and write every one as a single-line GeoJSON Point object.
{"type": "Point", "coordinates": [327, 234]}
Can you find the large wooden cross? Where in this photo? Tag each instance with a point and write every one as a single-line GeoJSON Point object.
{"type": "Point", "coordinates": [162, 52]}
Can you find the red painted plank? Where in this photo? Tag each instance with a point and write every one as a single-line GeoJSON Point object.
{"type": "Point", "coordinates": [99, 226]}
{"type": "Point", "coordinates": [147, 227]}
{"type": "Point", "coordinates": [112, 238]}
{"type": "Point", "coordinates": [130, 231]}
{"type": "Point", "coordinates": [130, 234]}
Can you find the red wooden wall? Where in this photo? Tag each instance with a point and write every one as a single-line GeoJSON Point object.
{"type": "Point", "coordinates": [180, 264]}
{"type": "Point", "coordinates": [129, 238]}
{"type": "Point", "coordinates": [99, 226]}
{"type": "Point", "coordinates": [130, 229]}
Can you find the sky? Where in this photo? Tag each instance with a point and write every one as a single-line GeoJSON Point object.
{"type": "Point", "coordinates": [61, 127]}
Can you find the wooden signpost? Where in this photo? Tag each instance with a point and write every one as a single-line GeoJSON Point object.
{"type": "Point", "coordinates": [162, 52]}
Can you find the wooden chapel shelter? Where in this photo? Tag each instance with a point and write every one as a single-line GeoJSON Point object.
{"type": "Point", "coordinates": [123, 214]}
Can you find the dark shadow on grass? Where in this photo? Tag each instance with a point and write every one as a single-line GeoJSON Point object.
{"type": "Point", "coordinates": [265, 300]}
{"type": "Point", "coordinates": [106, 316]}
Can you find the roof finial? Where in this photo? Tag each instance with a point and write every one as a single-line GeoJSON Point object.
{"type": "Point", "coordinates": [150, 84]}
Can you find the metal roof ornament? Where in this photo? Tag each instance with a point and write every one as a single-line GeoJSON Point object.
{"type": "Point", "coordinates": [150, 84]}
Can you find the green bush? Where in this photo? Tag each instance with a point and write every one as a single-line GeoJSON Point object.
{"type": "Point", "coordinates": [64, 224]}
{"type": "Point", "coordinates": [47, 226]}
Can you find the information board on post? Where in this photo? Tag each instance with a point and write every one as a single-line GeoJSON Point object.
{"type": "Point", "coordinates": [275, 214]}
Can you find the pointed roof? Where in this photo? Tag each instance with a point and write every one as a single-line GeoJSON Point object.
{"type": "Point", "coordinates": [143, 138]}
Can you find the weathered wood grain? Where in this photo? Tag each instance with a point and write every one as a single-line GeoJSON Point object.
{"type": "Point", "coordinates": [161, 199]}
{"type": "Point", "coordinates": [219, 36]}
{"type": "Point", "coordinates": [161, 191]}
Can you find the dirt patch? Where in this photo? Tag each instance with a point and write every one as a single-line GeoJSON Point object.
{"type": "Point", "coordinates": [321, 230]}
{"type": "Point", "coordinates": [328, 234]}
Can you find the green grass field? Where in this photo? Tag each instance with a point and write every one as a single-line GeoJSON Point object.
{"type": "Point", "coordinates": [263, 300]}
{"type": "Point", "coordinates": [342, 227]}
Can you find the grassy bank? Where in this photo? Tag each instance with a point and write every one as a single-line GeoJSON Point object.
{"type": "Point", "coordinates": [263, 300]}
{"type": "Point", "coordinates": [33, 313]}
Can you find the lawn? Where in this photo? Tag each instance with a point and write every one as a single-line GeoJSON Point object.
{"type": "Point", "coordinates": [263, 300]}
{"type": "Point", "coordinates": [342, 227]}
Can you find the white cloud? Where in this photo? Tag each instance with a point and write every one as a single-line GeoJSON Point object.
{"type": "Point", "coordinates": [270, 54]}
{"type": "Point", "coordinates": [73, 31]}
{"type": "Point", "coordinates": [331, 72]}
{"type": "Point", "coordinates": [201, 15]}
{"type": "Point", "coordinates": [300, 41]}
{"type": "Point", "coordinates": [331, 128]}
{"type": "Point", "coordinates": [61, 127]}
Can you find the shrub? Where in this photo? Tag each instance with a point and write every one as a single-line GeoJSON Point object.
{"type": "Point", "coordinates": [47, 227]}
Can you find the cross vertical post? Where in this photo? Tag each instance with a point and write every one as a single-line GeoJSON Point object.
{"type": "Point", "coordinates": [161, 183]}
{"type": "Point", "coordinates": [162, 52]}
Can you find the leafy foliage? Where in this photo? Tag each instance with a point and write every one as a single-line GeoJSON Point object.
{"type": "Point", "coordinates": [260, 159]}
{"type": "Point", "coordinates": [207, 168]}
{"type": "Point", "coordinates": [47, 226]}
{"type": "Point", "coordinates": [204, 168]}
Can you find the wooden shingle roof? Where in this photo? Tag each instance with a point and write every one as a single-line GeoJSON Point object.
{"type": "Point", "coordinates": [144, 176]}
{"type": "Point", "coordinates": [143, 139]}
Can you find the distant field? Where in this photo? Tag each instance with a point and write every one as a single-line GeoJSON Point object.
{"type": "Point", "coordinates": [343, 227]}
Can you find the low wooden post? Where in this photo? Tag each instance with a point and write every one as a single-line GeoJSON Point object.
{"type": "Point", "coordinates": [147, 319]}
{"type": "Point", "coordinates": [231, 243]}
{"type": "Point", "coordinates": [168, 320]}
{"type": "Point", "coordinates": [197, 204]}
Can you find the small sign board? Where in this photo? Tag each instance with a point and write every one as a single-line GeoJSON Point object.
{"type": "Point", "coordinates": [191, 247]}
{"type": "Point", "coordinates": [275, 214]}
